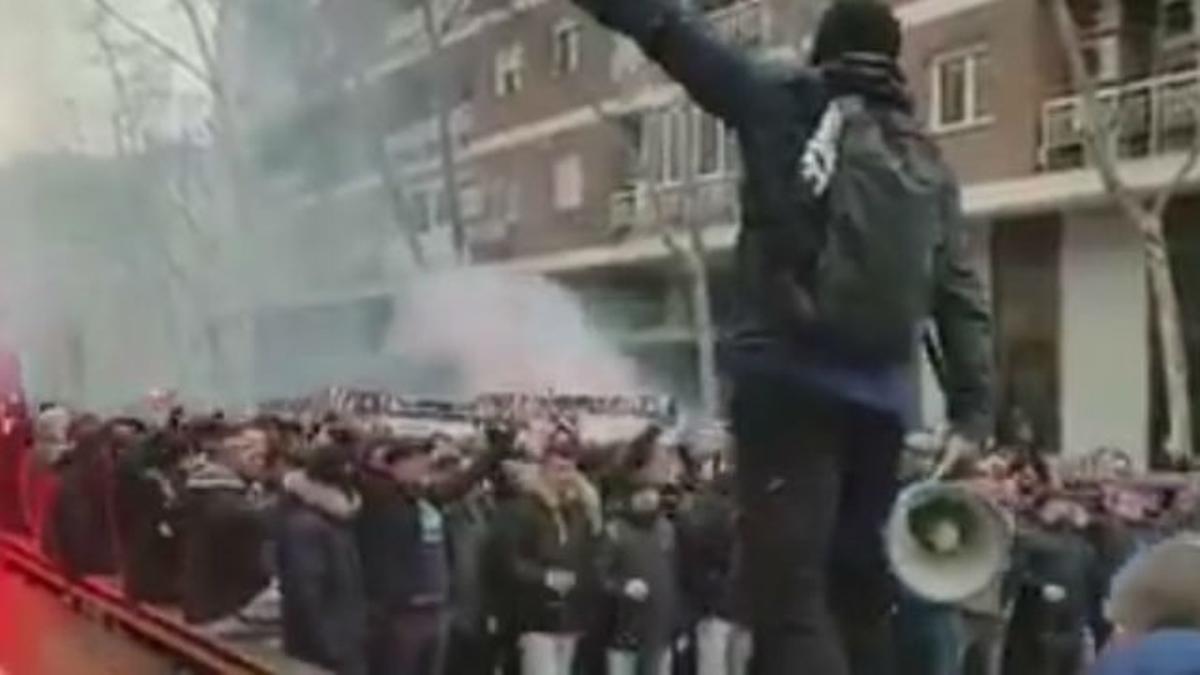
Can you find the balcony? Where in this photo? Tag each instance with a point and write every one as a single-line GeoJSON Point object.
{"type": "Point", "coordinates": [712, 200]}
{"type": "Point", "coordinates": [1149, 117]}
{"type": "Point", "coordinates": [418, 142]}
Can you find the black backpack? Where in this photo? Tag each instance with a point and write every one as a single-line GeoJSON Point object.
{"type": "Point", "coordinates": [882, 187]}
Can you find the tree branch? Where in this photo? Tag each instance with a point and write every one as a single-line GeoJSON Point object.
{"type": "Point", "coordinates": [458, 11]}
{"type": "Point", "coordinates": [174, 55]}
{"type": "Point", "coordinates": [1163, 199]}
{"type": "Point", "coordinates": [1100, 147]}
{"type": "Point", "coordinates": [203, 45]}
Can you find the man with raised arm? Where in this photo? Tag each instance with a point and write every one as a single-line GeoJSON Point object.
{"type": "Point", "coordinates": [851, 255]}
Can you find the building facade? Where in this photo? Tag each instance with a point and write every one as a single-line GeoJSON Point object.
{"type": "Point", "coordinates": [571, 154]}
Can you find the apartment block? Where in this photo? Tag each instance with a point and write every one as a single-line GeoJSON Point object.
{"type": "Point", "coordinates": [571, 153]}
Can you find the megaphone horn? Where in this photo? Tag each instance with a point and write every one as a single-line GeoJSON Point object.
{"type": "Point", "coordinates": [945, 543]}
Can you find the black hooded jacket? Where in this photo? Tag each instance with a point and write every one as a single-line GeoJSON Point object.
{"type": "Point", "coordinates": [774, 111]}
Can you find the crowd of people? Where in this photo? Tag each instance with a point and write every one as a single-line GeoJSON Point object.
{"type": "Point", "coordinates": [364, 551]}
{"type": "Point", "coordinates": [358, 550]}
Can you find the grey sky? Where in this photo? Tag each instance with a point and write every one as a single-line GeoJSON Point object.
{"type": "Point", "coordinates": [54, 93]}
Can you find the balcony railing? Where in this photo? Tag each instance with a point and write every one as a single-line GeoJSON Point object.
{"type": "Point", "coordinates": [711, 200]}
{"type": "Point", "coordinates": [418, 141]}
{"type": "Point", "coordinates": [1146, 118]}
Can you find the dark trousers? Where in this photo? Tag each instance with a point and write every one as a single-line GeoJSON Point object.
{"type": "Point", "coordinates": [817, 479]}
{"type": "Point", "coordinates": [408, 643]}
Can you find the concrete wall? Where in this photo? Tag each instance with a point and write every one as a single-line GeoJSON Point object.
{"type": "Point", "coordinates": [1105, 351]}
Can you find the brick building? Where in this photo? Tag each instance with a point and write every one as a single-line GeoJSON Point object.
{"type": "Point", "coordinates": [568, 148]}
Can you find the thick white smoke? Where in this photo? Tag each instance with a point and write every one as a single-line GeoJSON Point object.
{"type": "Point", "coordinates": [508, 332]}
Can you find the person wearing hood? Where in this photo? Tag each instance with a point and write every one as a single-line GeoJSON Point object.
{"type": "Point", "coordinates": [405, 552]}
{"type": "Point", "coordinates": [226, 527]}
{"type": "Point", "coordinates": [823, 351]}
{"type": "Point", "coordinates": [320, 572]}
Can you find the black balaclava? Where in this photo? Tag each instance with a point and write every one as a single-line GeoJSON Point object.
{"type": "Point", "coordinates": [856, 26]}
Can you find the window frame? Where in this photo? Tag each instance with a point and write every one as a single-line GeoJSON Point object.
{"type": "Point", "coordinates": [674, 120]}
{"type": "Point", "coordinates": [566, 40]}
{"type": "Point", "coordinates": [699, 119]}
{"type": "Point", "coordinates": [558, 187]}
{"type": "Point", "coordinates": [509, 59]}
{"type": "Point", "coordinates": [970, 56]}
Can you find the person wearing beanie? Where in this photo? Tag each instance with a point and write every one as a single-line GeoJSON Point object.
{"type": "Point", "coordinates": [821, 400]}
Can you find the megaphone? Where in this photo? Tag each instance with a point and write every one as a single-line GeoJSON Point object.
{"type": "Point", "coordinates": [947, 544]}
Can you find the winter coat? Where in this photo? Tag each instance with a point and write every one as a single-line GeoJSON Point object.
{"type": "Point", "coordinates": [320, 576]}
{"type": "Point", "coordinates": [81, 515]}
{"type": "Point", "coordinates": [550, 532]}
{"type": "Point", "coordinates": [402, 540]}
{"type": "Point", "coordinates": [643, 548]}
{"type": "Point", "coordinates": [147, 488]}
{"type": "Point", "coordinates": [225, 536]}
{"type": "Point", "coordinates": [467, 523]}
{"type": "Point", "coordinates": [774, 111]}
{"type": "Point", "coordinates": [707, 529]}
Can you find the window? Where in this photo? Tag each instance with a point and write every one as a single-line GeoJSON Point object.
{"type": "Point", "coordinates": [709, 143]}
{"type": "Point", "coordinates": [1178, 18]}
{"type": "Point", "coordinates": [510, 70]}
{"type": "Point", "coordinates": [566, 47]}
{"type": "Point", "coordinates": [504, 201]}
{"type": "Point", "coordinates": [421, 207]}
{"type": "Point", "coordinates": [673, 136]}
{"type": "Point", "coordinates": [470, 200]}
{"type": "Point", "coordinates": [733, 151]}
{"type": "Point", "coordinates": [568, 183]}
{"type": "Point", "coordinates": [1026, 276]}
{"type": "Point", "coordinates": [961, 91]}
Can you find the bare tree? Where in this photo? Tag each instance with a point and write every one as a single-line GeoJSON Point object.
{"type": "Point", "coordinates": [1145, 213]}
{"type": "Point", "coordinates": [234, 364]}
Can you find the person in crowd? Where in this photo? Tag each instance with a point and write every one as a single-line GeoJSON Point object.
{"type": "Point", "coordinates": [1161, 652]}
{"type": "Point", "coordinates": [640, 569]}
{"type": "Point", "coordinates": [819, 423]}
{"type": "Point", "coordinates": [402, 540]}
{"type": "Point", "coordinates": [321, 578]}
{"type": "Point", "coordinates": [80, 517]}
{"type": "Point", "coordinates": [467, 525]}
{"type": "Point", "coordinates": [226, 527]}
{"type": "Point", "coordinates": [550, 546]}
{"type": "Point", "coordinates": [147, 489]}
{"type": "Point", "coordinates": [1158, 589]}
{"type": "Point", "coordinates": [39, 477]}
{"type": "Point", "coordinates": [402, 537]}
{"type": "Point", "coordinates": [707, 525]}
{"type": "Point", "coordinates": [499, 582]}
{"type": "Point", "coordinates": [15, 441]}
